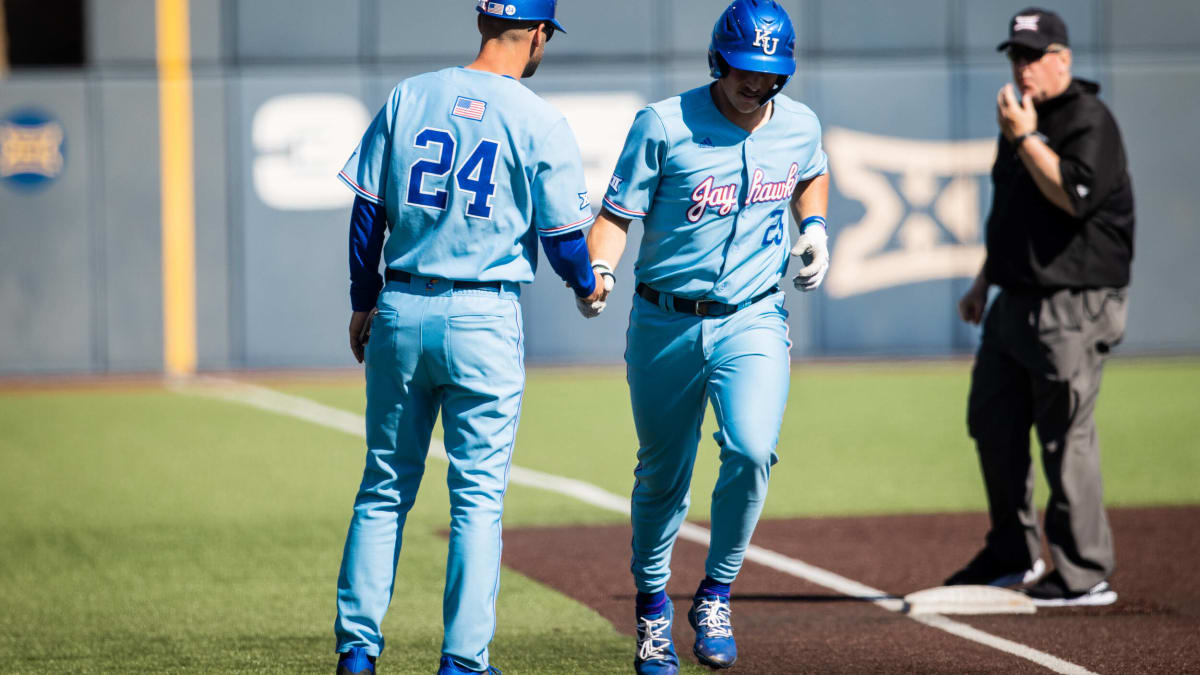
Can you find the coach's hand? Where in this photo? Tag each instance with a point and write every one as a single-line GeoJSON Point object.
{"type": "Point", "coordinates": [813, 249]}
{"type": "Point", "coordinates": [360, 332]}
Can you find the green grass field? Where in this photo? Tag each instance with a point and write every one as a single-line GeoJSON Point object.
{"type": "Point", "coordinates": [166, 532]}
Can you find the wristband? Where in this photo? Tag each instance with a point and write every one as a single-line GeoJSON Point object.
{"type": "Point", "coordinates": [812, 220]}
{"type": "Point", "coordinates": [602, 267]}
{"type": "Point", "coordinates": [1021, 139]}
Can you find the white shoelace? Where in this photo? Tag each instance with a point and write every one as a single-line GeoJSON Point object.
{"type": "Point", "coordinates": [653, 639]}
{"type": "Point", "coordinates": [713, 615]}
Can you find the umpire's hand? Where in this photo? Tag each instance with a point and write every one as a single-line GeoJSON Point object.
{"type": "Point", "coordinates": [1016, 116]}
{"type": "Point", "coordinates": [970, 307]}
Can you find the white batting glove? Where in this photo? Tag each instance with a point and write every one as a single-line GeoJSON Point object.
{"type": "Point", "coordinates": [813, 249]}
{"type": "Point", "coordinates": [589, 310]}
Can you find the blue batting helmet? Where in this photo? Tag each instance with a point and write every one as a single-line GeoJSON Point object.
{"type": "Point", "coordinates": [754, 35]}
{"type": "Point", "coordinates": [521, 10]}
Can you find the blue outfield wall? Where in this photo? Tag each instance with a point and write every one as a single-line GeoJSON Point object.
{"type": "Point", "coordinates": [905, 93]}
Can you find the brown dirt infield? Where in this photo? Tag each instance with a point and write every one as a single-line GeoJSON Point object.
{"type": "Point", "coordinates": [787, 625]}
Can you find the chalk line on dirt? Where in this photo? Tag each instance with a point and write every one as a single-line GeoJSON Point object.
{"type": "Point", "coordinates": [320, 414]}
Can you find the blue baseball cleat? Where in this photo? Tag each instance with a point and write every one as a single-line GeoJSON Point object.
{"type": "Point", "coordinates": [449, 667]}
{"type": "Point", "coordinates": [656, 653]}
{"type": "Point", "coordinates": [714, 646]}
{"type": "Point", "coordinates": [356, 662]}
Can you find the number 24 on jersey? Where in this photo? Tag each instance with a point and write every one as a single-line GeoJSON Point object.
{"type": "Point", "coordinates": [474, 176]}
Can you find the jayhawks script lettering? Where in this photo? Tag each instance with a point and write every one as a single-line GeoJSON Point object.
{"type": "Point", "coordinates": [771, 192]}
{"type": "Point", "coordinates": [724, 197]}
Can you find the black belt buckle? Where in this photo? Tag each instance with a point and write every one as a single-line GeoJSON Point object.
{"type": "Point", "coordinates": [701, 307]}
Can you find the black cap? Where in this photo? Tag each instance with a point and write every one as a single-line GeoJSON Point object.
{"type": "Point", "coordinates": [1035, 28]}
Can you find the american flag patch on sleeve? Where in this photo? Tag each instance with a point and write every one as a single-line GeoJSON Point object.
{"type": "Point", "coordinates": [469, 108]}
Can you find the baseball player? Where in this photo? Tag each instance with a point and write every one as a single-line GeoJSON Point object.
{"type": "Point", "coordinates": [712, 173]}
{"type": "Point", "coordinates": [456, 179]}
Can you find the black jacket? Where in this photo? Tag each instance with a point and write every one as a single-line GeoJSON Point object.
{"type": "Point", "coordinates": [1034, 246]}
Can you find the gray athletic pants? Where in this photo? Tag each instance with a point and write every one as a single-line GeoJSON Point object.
{"type": "Point", "coordinates": [1039, 365]}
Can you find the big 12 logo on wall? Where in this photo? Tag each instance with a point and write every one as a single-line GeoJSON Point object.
{"type": "Point", "coordinates": [33, 149]}
{"type": "Point", "coordinates": [925, 226]}
{"type": "Point", "coordinates": [300, 141]}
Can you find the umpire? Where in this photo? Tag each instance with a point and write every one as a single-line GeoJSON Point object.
{"type": "Point", "coordinates": [1059, 246]}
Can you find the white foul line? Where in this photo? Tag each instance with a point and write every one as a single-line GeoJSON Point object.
{"type": "Point", "coordinates": [327, 416]}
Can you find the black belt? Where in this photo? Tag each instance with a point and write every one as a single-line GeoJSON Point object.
{"type": "Point", "coordinates": [700, 307]}
{"type": "Point", "coordinates": [405, 277]}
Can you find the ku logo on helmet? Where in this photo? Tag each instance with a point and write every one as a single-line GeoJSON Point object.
{"type": "Point", "coordinates": [768, 44]}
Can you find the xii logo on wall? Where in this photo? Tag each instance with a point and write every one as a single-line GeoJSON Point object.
{"type": "Point", "coordinates": [923, 218]}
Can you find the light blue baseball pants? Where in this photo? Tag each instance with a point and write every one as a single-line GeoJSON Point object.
{"type": "Point", "coordinates": [460, 352]}
{"type": "Point", "coordinates": [676, 363]}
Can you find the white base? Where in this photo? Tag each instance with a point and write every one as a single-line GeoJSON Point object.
{"type": "Point", "coordinates": [968, 600]}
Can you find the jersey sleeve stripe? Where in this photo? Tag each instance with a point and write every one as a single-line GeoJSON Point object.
{"type": "Point", "coordinates": [622, 211]}
{"type": "Point", "coordinates": [563, 229]}
{"type": "Point", "coordinates": [358, 189]}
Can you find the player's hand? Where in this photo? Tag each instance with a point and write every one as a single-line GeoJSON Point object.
{"type": "Point", "coordinates": [605, 279]}
{"type": "Point", "coordinates": [360, 332]}
{"type": "Point", "coordinates": [589, 310]}
{"type": "Point", "coordinates": [1015, 117]}
{"type": "Point", "coordinates": [591, 306]}
{"type": "Point", "coordinates": [970, 306]}
{"type": "Point", "coordinates": [813, 249]}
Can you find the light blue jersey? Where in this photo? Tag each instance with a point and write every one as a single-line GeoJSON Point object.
{"type": "Point", "coordinates": [471, 166]}
{"type": "Point", "coordinates": [713, 198]}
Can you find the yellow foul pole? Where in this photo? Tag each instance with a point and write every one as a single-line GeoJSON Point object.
{"type": "Point", "coordinates": [178, 187]}
{"type": "Point", "coordinates": [3, 44]}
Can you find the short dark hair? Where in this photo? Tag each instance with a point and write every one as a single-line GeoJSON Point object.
{"type": "Point", "coordinates": [493, 27]}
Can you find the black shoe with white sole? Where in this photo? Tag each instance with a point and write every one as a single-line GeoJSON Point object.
{"type": "Point", "coordinates": [1052, 591]}
{"type": "Point", "coordinates": [985, 570]}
